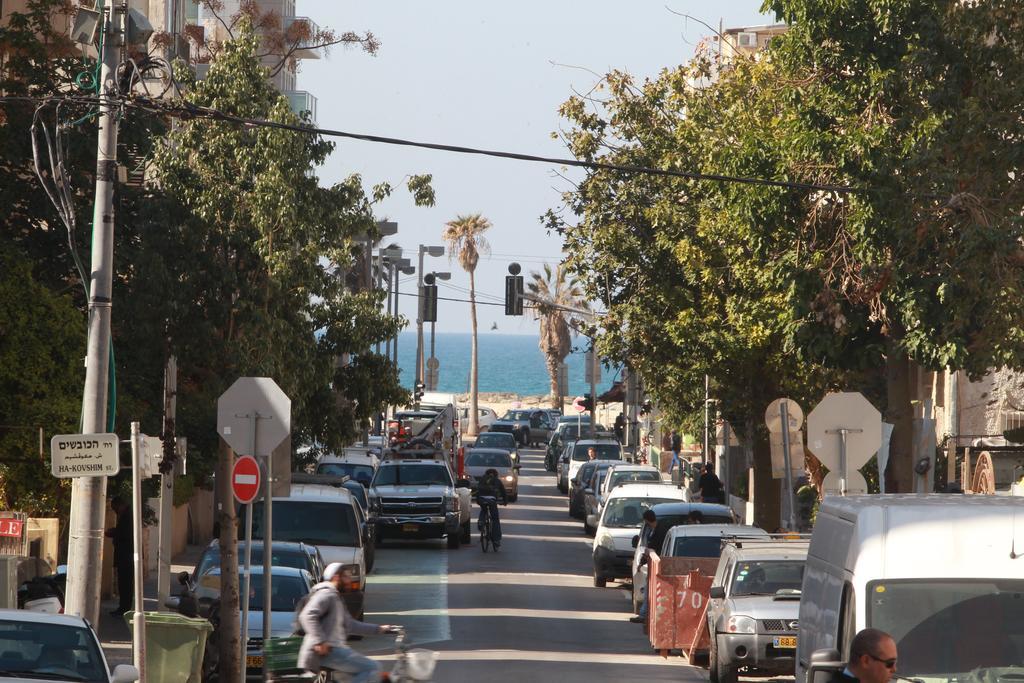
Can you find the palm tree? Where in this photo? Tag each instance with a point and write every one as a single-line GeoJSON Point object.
{"type": "Point", "coordinates": [555, 291]}
{"type": "Point", "coordinates": [466, 242]}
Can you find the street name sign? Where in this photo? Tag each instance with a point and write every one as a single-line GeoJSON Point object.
{"type": "Point", "coordinates": [245, 479]}
{"type": "Point", "coordinates": [84, 455]}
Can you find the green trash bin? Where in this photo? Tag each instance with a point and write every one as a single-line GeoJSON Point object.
{"type": "Point", "coordinates": [174, 646]}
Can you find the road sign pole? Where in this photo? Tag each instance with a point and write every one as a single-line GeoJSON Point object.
{"type": "Point", "coordinates": [842, 462]}
{"type": "Point", "coordinates": [248, 578]}
{"type": "Point", "coordinates": [787, 463]}
{"type": "Point", "coordinates": [139, 623]}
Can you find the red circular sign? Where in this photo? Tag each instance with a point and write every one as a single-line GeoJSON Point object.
{"type": "Point", "coordinates": [245, 479]}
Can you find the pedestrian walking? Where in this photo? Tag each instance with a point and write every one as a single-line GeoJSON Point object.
{"type": "Point", "coordinates": [620, 427]}
{"type": "Point", "coordinates": [646, 531]}
{"type": "Point", "coordinates": [124, 545]}
{"type": "Point", "coordinates": [872, 659]}
{"type": "Point", "coordinates": [711, 490]}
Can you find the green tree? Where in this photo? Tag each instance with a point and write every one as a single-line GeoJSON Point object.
{"type": "Point", "coordinates": [466, 241]}
{"type": "Point", "coordinates": [555, 292]}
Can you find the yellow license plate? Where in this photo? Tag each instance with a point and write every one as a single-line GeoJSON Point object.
{"type": "Point", "coordinates": [410, 527]}
{"type": "Point", "coordinates": [254, 662]}
{"type": "Point", "coordinates": [785, 642]}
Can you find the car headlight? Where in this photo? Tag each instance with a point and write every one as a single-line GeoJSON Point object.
{"type": "Point", "coordinates": [741, 624]}
{"type": "Point", "coordinates": [374, 503]}
{"type": "Point", "coordinates": [355, 580]}
{"type": "Point", "coordinates": [451, 503]}
{"type": "Point", "coordinates": [606, 541]}
{"type": "Point", "coordinates": [508, 477]}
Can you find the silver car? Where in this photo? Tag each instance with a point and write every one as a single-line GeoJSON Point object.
{"type": "Point", "coordinates": [755, 602]}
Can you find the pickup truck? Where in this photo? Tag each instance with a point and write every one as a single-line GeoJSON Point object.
{"type": "Point", "coordinates": [528, 426]}
{"type": "Point", "coordinates": [419, 498]}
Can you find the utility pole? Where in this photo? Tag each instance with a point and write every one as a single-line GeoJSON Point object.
{"type": "Point", "coordinates": [89, 494]}
{"type": "Point", "coordinates": [163, 580]}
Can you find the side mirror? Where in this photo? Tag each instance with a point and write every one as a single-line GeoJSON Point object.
{"type": "Point", "coordinates": [717, 593]}
{"type": "Point", "coordinates": [517, 467]}
{"type": "Point", "coordinates": [825, 661]}
{"type": "Point", "coordinates": [124, 673]}
{"type": "Point", "coordinates": [636, 541]}
{"type": "Point", "coordinates": [183, 578]}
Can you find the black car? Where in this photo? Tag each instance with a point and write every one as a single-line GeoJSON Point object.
{"type": "Point", "coordinates": [578, 486]}
{"type": "Point", "coordinates": [283, 554]}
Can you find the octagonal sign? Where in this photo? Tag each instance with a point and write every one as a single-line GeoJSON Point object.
{"type": "Point", "coordinates": [844, 410]}
{"type": "Point", "coordinates": [254, 416]}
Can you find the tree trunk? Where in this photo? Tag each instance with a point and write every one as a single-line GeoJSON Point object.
{"type": "Point", "coordinates": [556, 397]}
{"type": "Point", "coordinates": [899, 474]}
{"type": "Point", "coordinates": [230, 632]}
{"type": "Point", "coordinates": [766, 490]}
{"type": "Point", "coordinates": [474, 398]}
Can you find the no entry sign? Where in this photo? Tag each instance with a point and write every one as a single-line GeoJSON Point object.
{"type": "Point", "coordinates": [245, 479]}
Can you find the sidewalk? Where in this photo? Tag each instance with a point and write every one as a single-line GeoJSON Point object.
{"type": "Point", "coordinates": [114, 634]}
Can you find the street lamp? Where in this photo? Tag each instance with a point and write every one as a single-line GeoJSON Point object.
{"type": "Point", "coordinates": [431, 374]}
{"type": "Point", "coordinates": [433, 251]}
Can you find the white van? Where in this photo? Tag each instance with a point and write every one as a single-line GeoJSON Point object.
{"type": "Point", "coordinates": [943, 574]}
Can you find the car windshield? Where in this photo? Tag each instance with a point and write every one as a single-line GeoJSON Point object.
{"type": "Point", "coordinates": [666, 522]}
{"type": "Point", "coordinates": [361, 473]}
{"type": "Point", "coordinates": [285, 591]}
{"type": "Point", "coordinates": [767, 577]}
{"type": "Point", "coordinates": [628, 512]}
{"type": "Point", "coordinates": [629, 477]}
{"type": "Point", "coordinates": [299, 559]}
{"type": "Point", "coordinates": [475, 459]}
{"type": "Point", "coordinates": [604, 451]}
{"type": "Point", "coordinates": [952, 629]}
{"type": "Point", "coordinates": [496, 440]}
{"type": "Point", "coordinates": [517, 415]}
{"type": "Point", "coordinates": [412, 475]}
{"type": "Point", "coordinates": [309, 521]}
{"type": "Point", "coordinates": [37, 649]}
{"type": "Point", "coordinates": [697, 546]}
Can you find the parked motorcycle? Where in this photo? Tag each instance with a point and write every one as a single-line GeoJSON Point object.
{"type": "Point", "coordinates": [44, 593]}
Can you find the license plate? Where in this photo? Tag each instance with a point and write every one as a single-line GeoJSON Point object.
{"type": "Point", "coordinates": [254, 662]}
{"type": "Point", "coordinates": [784, 642]}
{"type": "Point", "coordinates": [410, 527]}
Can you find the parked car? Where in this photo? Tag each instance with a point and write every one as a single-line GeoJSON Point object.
{"type": "Point", "coordinates": [282, 554]}
{"type": "Point", "coordinates": [287, 586]}
{"type": "Point", "coordinates": [420, 498]}
{"type": "Point", "coordinates": [939, 572]}
{"type": "Point", "coordinates": [620, 523]}
{"type": "Point", "coordinates": [618, 473]}
{"type": "Point", "coordinates": [562, 475]}
{"type": "Point", "coordinates": [529, 426]}
{"type": "Point", "coordinates": [479, 460]}
{"type": "Point", "coordinates": [35, 646]}
{"type": "Point", "coordinates": [502, 440]}
{"type": "Point", "coordinates": [754, 606]}
{"type": "Point", "coordinates": [671, 515]}
{"type": "Point", "coordinates": [604, 449]}
{"type": "Point", "coordinates": [329, 518]}
{"type": "Point", "coordinates": [485, 418]}
{"type": "Point", "coordinates": [579, 485]}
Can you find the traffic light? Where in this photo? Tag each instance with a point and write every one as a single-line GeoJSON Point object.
{"type": "Point", "coordinates": [428, 302]}
{"type": "Point", "coordinates": [417, 392]}
{"type": "Point", "coordinates": [514, 290]}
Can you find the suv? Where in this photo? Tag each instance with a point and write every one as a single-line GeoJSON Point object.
{"type": "Point", "coordinates": [755, 601]}
{"type": "Point", "coordinates": [528, 426]}
{"type": "Point", "coordinates": [419, 498]}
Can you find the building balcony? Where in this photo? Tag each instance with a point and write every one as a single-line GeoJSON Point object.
{"type": "Point", "coordinates": [300, 101]}
{"type": "Point", "coordinates": [301, 30]}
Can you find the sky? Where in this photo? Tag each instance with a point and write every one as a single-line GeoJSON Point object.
{"type": "Point", "coordinates": [489, 75]}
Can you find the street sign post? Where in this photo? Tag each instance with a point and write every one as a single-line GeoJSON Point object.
{"type": "Point", "coordinates": [84, 455]}
{"type": "Point", "coordinates": [254, 416]}
{"type": "Point", "coordinates": [785, 416]}
{"type": "Point", "coordinates": [844, 431]}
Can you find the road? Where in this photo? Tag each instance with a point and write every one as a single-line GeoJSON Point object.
{"type": "Point", "coordinates": [529, 612]}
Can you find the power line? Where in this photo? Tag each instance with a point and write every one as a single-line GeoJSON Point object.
{"type": "Point", "coordinates": [192, 111]}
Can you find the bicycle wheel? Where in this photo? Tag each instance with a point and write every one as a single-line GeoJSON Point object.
{"type": "Point", "coordinates": [485, 532]}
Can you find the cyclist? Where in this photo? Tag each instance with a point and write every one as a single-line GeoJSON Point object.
{"type": "Point", "coordinates": [488, 491]}
{"type": "Point", "coordinates": [326, 624]}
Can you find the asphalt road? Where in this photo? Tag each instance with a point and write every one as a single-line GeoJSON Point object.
{"type": "Point", "coordinates": [528, 612]}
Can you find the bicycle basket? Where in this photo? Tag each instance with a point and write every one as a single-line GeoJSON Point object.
{"type": "Point", "coordinates": [282, 654]}
{"type": "Point", "coordinates": [420, 664]}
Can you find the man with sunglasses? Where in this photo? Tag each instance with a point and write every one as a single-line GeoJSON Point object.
{"type": "Point", "coordinates": [872, 659]}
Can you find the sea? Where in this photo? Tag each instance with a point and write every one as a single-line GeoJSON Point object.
{"type": "Point", "coordinates": [508, 363]}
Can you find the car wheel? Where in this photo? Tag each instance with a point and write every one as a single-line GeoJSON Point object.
{"type": "Point", "coordinates": [454, 541]}
{"type": "Point", "coordinates": [466, 536]}
{"type": "Point", "coordinates": [599, 581]}
{"type": "Point", "coordinates": [713, 660]}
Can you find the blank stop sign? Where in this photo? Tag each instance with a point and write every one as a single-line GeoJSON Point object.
{"type": "Point", "coordinates": [245, 479]}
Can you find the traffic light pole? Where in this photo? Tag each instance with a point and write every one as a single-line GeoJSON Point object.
{"type": "Point", "coordinates": [89, 494]}
{"type": "Point", "coordinates": [593, 388]}
{"type": "Point", "coordinates": [419, 324]}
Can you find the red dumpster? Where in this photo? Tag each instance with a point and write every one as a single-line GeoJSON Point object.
{"type": "Point", "coordinates": [677, 588]}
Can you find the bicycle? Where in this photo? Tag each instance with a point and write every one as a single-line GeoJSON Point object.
{"type": "Point", "coordinates": [485, 522]}
{"type": "Point", "coordinates": [411, 664]}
